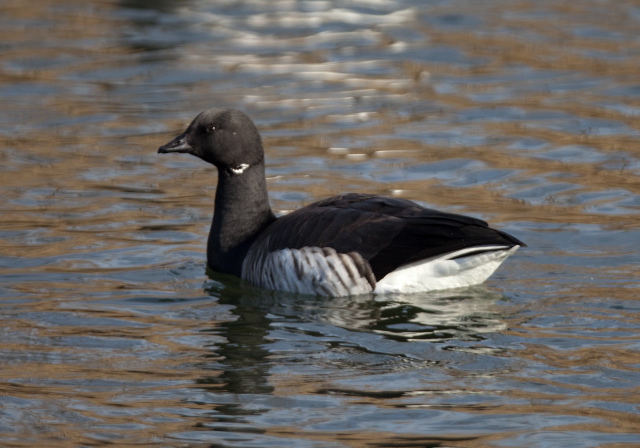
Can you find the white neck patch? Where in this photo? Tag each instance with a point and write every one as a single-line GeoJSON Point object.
{"type": "Point", "coordinates": [240, 168]}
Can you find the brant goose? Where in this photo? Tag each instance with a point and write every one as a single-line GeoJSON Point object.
{"type": "Point", "coordinates": [345, 245]}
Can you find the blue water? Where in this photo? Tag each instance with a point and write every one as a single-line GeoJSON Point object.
{"type": "Point", "coordinates": [521, 113]}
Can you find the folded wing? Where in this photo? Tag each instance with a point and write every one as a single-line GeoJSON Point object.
{"type": "Point", "coordinates": [386, 232]}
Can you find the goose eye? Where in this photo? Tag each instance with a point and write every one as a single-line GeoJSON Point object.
{"type": "Point", "coordinates": [211, 129]}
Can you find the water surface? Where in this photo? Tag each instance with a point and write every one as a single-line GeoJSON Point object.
{"type": "Point", "coordinates": [524, 113]}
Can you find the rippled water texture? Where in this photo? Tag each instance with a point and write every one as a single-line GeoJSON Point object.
{"type": "Point", "coordinates": [524, 113]}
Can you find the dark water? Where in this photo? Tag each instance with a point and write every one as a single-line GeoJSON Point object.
{"type": "Point", "coordinates": [524, 113]}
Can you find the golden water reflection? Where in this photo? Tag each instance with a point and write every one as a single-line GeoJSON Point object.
{"type": "Point", "coordinates": [523, 113]}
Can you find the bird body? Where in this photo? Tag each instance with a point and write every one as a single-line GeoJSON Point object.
{"type": "Point", "coordinates": [344, 245]}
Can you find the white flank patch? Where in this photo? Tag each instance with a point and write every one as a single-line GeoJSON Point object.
{"type": "Point", "coordinates": [310, 270]}
{"type": "Point", "coordinates": [452, 270]}
{"type": "Point", "coordinates": [240, 169]}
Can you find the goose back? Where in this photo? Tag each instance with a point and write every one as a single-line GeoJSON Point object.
{"type": "Point", "coordinates": [377, 234]}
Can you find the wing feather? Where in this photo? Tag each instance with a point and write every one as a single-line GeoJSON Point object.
{"type": "Point", "coordinates": [387, 232]}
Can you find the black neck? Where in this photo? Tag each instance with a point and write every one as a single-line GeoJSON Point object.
{"type": "Point", "coordinates": [242, 212]}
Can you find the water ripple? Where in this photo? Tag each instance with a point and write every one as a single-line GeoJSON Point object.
{"type": "Point", "coordinates": [523, 113]}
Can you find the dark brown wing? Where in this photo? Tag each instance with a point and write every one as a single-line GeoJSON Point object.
{"type": "Point", "coordinates": [388, 232]}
